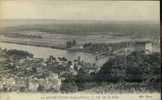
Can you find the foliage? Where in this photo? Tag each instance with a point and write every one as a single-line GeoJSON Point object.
{"type": "Point", "coordinates": [139, 67]}
{"type": "Point", "coordinates": [69, 86]}
{"type": "Point", "coordinates": [19, 53]}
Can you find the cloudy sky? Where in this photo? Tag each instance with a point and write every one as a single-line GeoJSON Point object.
{"type": "Point", "coordinates": [79, 10]}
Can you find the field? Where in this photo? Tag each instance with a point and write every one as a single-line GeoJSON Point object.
{"type": "Point", "coordinates": [53, 33]}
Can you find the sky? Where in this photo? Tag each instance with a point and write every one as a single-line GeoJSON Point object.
{"type": "Point", "coordinates": [80, 10]}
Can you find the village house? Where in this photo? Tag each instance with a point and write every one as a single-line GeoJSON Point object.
{"type": "Point", "coordinates": [8, 83]}
{"type": "Point", "coordinates": [145, 46]}
{"type": "Point", "coordinates": [53, 82]}
{"type": "Point", "coordinates": [21, 84]}
{"type": "Point", "coordinates": [148, 48]}
{"type": "Point", "coordinates": [129, 46]}
{"type": "Point", "coordinates": [33, 85]}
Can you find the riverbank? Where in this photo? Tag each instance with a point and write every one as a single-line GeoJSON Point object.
{"type": "Point", "coordinates": [35, 44]}
{"type": "Point", "coordinates": [46, 45]}
{"type": "Point", "coordinates": [88, 47]}
{"type": "Point", "coordinates": [63, 47]}
{"type": "Point", "coordinates": [43, 52]}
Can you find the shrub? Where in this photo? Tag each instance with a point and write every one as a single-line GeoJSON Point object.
{"type": "Point", "coordinates": [139, 67]}
{"type": "Point", "coordinates": [19, 54]}
{"type": "Point", "coordinates": [69, 86]}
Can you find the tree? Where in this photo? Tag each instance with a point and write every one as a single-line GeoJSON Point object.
{"type": "Point", "coordinates": [105, 73]}
{"type": "Point", "coordinates": [69, 86]}
{"type": "Point", "coordinates": [139, 67]}
{"type": "Point", "coordinates": [74, 42]}
{"type": "Point", "coordinates": [19, 54]}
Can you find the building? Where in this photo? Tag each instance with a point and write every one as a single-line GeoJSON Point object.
{"type": "Point", "coordinates": [144, 46]}
{"type": "Point", "coordinates": [148, 48]}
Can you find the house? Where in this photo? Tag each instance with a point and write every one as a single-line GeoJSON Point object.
{"type": "Point", "coordinates": [145, 46]}
{"type": "Point", "coordinates": [33, 85]}
{"type": "Point", "coordinates": [21, 84]}
{"type": "Point", "coordinates": [52, 82]}
{"type": "Point", "coordinates": [148, 48]}
{"type": "Point", "coordinates": [8, 83]}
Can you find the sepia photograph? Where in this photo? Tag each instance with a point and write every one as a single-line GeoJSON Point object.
{"type": "Point", "coordinates": [61, 47]}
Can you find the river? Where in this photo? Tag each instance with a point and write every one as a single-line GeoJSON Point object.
{"type": "Point", "coordinates": [44, 52]}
